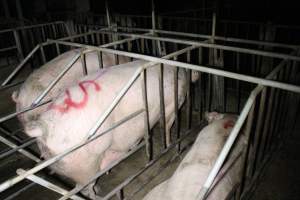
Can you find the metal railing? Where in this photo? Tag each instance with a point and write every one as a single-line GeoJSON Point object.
{"type": "Point", "coordinates": [140, 72]}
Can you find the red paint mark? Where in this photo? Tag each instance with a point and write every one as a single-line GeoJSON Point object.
{"type": "Point", "coordinates": [228, 124]}
{"type": "Point", "coordinates": [68, 102]}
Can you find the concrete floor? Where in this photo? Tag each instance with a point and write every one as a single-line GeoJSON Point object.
{"type": "Point", "coordinates": [281, 180]}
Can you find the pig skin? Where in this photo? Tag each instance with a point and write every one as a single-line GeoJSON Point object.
{"type": "Point", "coordinates": [58, 130]}
{"type": "Point", "coordinates": [193, 170]}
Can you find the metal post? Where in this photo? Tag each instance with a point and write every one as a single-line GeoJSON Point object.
{"type": "Point", "coordinates": [165, 138]}
{"type": "Point", "coordinates": [99, 53]}
{"type": "Point", "coordinates": [176, 106]}
{"type": "Point", "coordinates": [43, 54]}
{"type": "Point", "coordinates": [83, 63]}
{"type": "Point", "coordinates": [18, 44]}
{"type": "Point", "coordinates": [148, 136]}
{"type": "Point", "coordinates": [188, 92]}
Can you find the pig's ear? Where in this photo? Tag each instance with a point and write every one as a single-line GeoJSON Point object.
{"type": "Point", "coordinates": [211, 116]}
{"type": "Point", "coordinates": [34, 129]}
{"type": "Point", "coordinates": [14, 96]}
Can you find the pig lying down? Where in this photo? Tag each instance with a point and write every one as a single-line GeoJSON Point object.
{"type": "Point", "coordinates": [193, 170]}
{"type": "Point", "coordinates": [37, 82]}
{"type": "Point", "coordinates": [74, 112]}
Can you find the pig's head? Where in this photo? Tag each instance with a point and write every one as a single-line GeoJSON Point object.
{"type": "Point", "coordinates": [212, 116]}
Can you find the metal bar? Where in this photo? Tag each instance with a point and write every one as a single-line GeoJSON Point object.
{"type": "Point", "coordinates": [260, 81]}
{"type": "Point", "coordinates": [149, 164]}
{"type": "Point", "coordinates": [20, 66]}
{"type": "Point", "coordinates": [176, 106]}
{"type": "Point", "coordinates": [107, 14]}
{"type": "Point", "coordinates": [15, 194]}
{"type": "Point", "coordinates": [18, 44]}
{"type": "Point", "coordinates": [188, 92]}
{"type": "Point", "coordinates": [12, 115]}
{"type": "Point", "coordinates": [52, 84]}
{"type": "Point", "coordinates": [43, 54]}
{"type": "Point", "coordinates": [165, 137]}
{"type": "Point", "coordinates": [99, 53]}
{"type": "Point", "coordinates": [57, 49]}
{"type": "Point", "coordinates": [100, 173]}
{"type": "Point", "coordinates": [83, 63]}
{"type": "Point", "coordinates": [210, 45]}
{"type": "Point", "coordinates": [14, 149]}
{"type": "Point", "coordinates": [22, 151]}
{"type": "Point", "coordinates": [8, 183]}
{"type": "Point", "coordinates": [29, 27]}
{"type": "Point", "coordinates": [8, 48]}
{"type": "Point", "coordinates": [147, 137]}
{"type": "Point", "coordinates": [47, 184]}
{"type": "Point", "coordinates": [233, 135]}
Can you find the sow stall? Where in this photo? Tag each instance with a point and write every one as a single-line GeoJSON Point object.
{"type": "Point", "coordinates": [261, 86]}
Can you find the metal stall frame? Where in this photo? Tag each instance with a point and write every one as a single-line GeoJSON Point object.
{"type": "Point", "coordinates": [264, 82]}
{"type": "Point", "coordinates": [141, 72]}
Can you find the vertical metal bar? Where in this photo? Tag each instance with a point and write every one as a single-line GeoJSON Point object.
{"type": "Point", "coordinates": [107, 13]}
{"type": "Point", "coordinates": [147, 136]}
{"type": "Point", "coordinates": [57, 48]}
{"type": "Point", "coordinates": [258, 133]}
{"type": "Point", "coordinates": [176, 106]}
{"type": "Point", "coordinates": [266, 126]}
{"type": "Point", "coordinates": [54, 31]}
{"type": "Point", "coordinates": [238, 89]}
{"type": "Point", "coordinates": [99, 53]}
{"type": "Point", "coordinates": [18, 44]}
{"type": "Point", "coordinates": [188, 91]}
{"type": "Point", "coordinates": [200, 85]}
{"type": "Point", "coordinates": [83, 63]}
{"type": "Point", "coordinates": [43, 54]}
{"type": "Point", "coordinates": [98, 39]}
{"type": "Point", "coordinates": [165, 140]}
{"type": "Point", "coordinates": [143, 45]}
{"type": "Point", "coordinates": [245, 155]}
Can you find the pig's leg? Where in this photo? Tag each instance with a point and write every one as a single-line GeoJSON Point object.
{"type": "Point", "coordinates": [170, 117]}
{"type": "Point", "coordinates": [109, 157]}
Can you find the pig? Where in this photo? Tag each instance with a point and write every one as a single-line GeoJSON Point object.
{"type": "Point", "coordinates": [193, 170]}
{"type": "Point", "coordinates": [74, 112]}
{"type": "Point", "coordinates": [37, 82]}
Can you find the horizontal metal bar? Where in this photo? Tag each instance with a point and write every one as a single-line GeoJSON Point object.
{"type": "Point", "coordinates": [60, 75]}
{"type": "Point", "coordinates": [210, 45]}
{"type": "Point", "coordinates": [8, 48]}
{"type": "Point", "coordinates": [17, 148]}
{"type": "Point", "coordinates": [205, 69]}
{"type": "Point", "coordinates": [222, 38]}
{"type": "Point", "coordinates": [31, 26]}
{"type": "Point", "coordinates": [48, 184]}
{"type": "Point", "coordinates": [12, 115]}
{"type": "Point", "coordinates": [20, 66]}
{"type": "Point", "coordinates": [11, 85]}
{"type": "Point", "coordinates": [22, 151]}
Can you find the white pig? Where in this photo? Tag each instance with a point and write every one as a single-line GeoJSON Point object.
{"type": "Point", "coordinates": [193, 170]}
{"type": "Point", "coordinates": [37, 82]}
{"type": "Point", "coordinates": [75, 111]}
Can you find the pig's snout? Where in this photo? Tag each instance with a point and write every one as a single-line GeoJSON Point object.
{"type": "Point", "coordinates": [36, 128]}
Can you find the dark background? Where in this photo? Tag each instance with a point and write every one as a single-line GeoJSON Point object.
{"type": "Point", "coordinates": [284, 12]}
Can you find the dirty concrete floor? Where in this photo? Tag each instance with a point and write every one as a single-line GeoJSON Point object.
{"type": "Point", "coordinates": [281, 180]}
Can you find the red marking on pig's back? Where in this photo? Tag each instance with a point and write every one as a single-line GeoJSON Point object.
{"type": "Point", "coordinates": [69, 102]}
{"type": "Point", "coordinates": [228, 124]}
